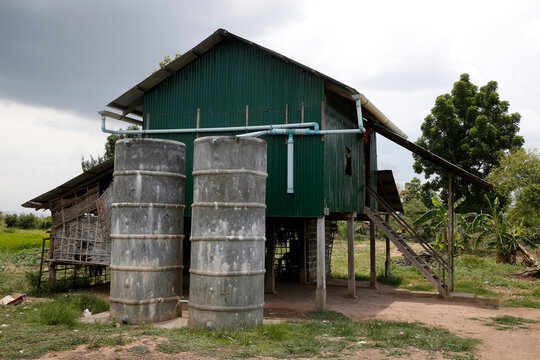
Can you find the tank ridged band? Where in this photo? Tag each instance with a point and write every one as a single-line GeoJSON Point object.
{"type": "Point", "coordinates": [147, 205]}
{"type": "Point", "coordinates": [217, 204]}
{"type": "Point", "coordinates": [148, 172]}
{"type": "Point", "coordinates": [227, 238]}
{"type": "Point", "coordinates": [146, 237]}
{"type": "Point", "coordinates": [145, 301]}
{"type": "Point", "coordinates": [147, 268]}
{"type": "Point", "coordinates": [226, 273]}
{"type": "Point", "coordinates": [229, 172]}
{"type": "Point", "coordinates": [225, 308]}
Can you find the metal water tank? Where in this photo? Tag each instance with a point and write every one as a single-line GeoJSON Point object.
{"type": "Point", "coordinates": [147, 228]}
{"type": "Point", "coordinates": [227, 232]}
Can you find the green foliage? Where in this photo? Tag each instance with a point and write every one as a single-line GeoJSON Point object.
{"type": "Point", "coordinates": [11, 220]}
{"type": "Point", "coordinates": [27, 222]}
{"type": "Point", "coordinates": [167, 59]}
{"type": "Point", "coordinates": [89, 163]}
{"type": "Point", "coordinates": [517, 182]}
{"type": "Point", "coordinates": [505, 235]}
{"type": "Point", "coordinates": [472, 128]}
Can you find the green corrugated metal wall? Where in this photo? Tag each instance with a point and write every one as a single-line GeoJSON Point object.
{"type": "Point", "coordinates": [343, 193]}
{"type": "Point", "coordinates": [221, 83]}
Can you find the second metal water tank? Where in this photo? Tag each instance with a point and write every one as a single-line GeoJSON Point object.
{"type": "Point", "coordinates": [228, 232]}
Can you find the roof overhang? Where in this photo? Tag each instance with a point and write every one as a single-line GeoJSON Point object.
{"type": "Point", "coordinates": [86, 178]}
{"type": "Point", "coordinates": [387, 189]}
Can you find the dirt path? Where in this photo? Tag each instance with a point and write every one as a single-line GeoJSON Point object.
{"type": "Point", "coordinates": [386, 303]}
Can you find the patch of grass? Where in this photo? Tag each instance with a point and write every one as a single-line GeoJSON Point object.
{"type": "Point", "coordinates": [403, 334]}
{"type": "Point", "coordinates": [507, 322]}
{"type": "Point", "coordinates": [21, 240]}
{"type": "Point", "coordinates": [90, 302]}
{"type": "Point", "coordinates": [521, 302]}
{"type": "Point", "coordinates": [511, 320]}
{"type": "Point", "coordinates": [56, 313]}
{"type": "Point", "coordinates": [535, 294]}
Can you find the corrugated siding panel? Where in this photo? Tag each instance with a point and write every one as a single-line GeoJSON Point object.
{"type": "Point", "coordinates": [343, 193]}
{"type": "Point", "coordinates": [221, 83]}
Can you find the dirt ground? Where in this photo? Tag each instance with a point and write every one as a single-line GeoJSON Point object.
{"type": "Point", "coordinates": [385, 303]}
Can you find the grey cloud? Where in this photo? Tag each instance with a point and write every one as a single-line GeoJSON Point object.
{"type": "Point", "coordinates": [79, 55]}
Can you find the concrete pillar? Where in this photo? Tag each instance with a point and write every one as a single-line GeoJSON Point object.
{"type": "Point", "coordinates": [320, 294]}
{"type": "Point", "coordinates": [373, 269]}
{"type": "Point", "coordinates": [350, 256]}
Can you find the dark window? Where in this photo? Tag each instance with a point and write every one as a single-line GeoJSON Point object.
{"type": "Point", "coordinates": [348, 161]}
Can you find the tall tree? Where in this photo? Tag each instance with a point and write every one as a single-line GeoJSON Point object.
{"type": "Point", "coordinates": [471, 128]}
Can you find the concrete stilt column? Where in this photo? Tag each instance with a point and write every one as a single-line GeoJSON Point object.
{"type": "Point", "coordinates": [373, 270]}
{"type": "Point", "coordinates": [350, 256]}
{"type": "Point", "coordinates": [320, 294]}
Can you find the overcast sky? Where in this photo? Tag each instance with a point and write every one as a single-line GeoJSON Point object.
{"type": "Point", "coordinates": [61, 61]}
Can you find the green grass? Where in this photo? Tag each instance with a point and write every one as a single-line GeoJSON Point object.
{"type": "Point", "coordinates": [324, 333]}
{"type": "Point", "coordinates": [507, 322]}
{"type": "Point", "coordinates": [21, 240]}
{"type": "Point", "coordinates": [477, 273]}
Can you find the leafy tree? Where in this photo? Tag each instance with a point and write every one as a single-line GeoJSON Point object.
{"type": "Point", "coordinates": [412, 198]}
{"type": "Point", "coordinates": [11, 220]}
{"type": "Point", "coordinates": [27, 222]}
{"type": "Point", "coordinates": [89, 163]}
{"type": "Point", "coordinates": [469, 127]}
{"type": "Point", "coordinates": [517, 181]}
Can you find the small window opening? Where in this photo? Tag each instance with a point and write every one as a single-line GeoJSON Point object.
{"type": "Point", "coordinates": [348, 160]}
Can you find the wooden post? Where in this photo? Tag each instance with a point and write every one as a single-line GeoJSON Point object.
{"type": "Point", "coordinates": [450, 244]}
{"type": "Point", "coordinates": [270, 281]}
{"type": "Point", "coordinates": [52, 276]}
{"type": "Point", "coordinates": [350, 255]}
{"type": "Point", "coordinates": [303, 260]}
{"type": "Point", "coordinates": [320, 294]}
{"type": "Point", "coordinates": [302, 113]}
{"type": "Point", "coordinates": [247, 115]}
{"type": "Point", "coordinates": [373, 270]}
{"type": "Point", "coordinates": [387, 260]}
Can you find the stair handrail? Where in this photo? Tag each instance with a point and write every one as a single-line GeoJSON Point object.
{"type": "Point", "coordinates": [428, 248]}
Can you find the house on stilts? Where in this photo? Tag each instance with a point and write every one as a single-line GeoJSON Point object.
{"type": "Point", "coordinates": [227, 85]}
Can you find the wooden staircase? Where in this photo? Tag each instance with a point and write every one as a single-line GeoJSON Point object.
{"type": "Point", "coordinates": [435, 273]}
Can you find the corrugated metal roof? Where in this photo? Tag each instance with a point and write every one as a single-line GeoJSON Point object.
{"type": "Point", "coordinates": [42, 201]}
{"type": "Point", "coordinates": [386, 187]}
{"type": "Point", "coordinates": [132, 100]}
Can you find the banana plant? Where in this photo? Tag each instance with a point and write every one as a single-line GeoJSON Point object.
{"type": "Point", "coordinates": [505, 236]}
{"type": "Point", "coordinates": [437, 221]}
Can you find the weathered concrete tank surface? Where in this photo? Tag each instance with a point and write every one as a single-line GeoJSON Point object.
{"type": "Point", "coordinates": [147, 228]}
{"type": "Point", "coordinates": [227, 232]}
